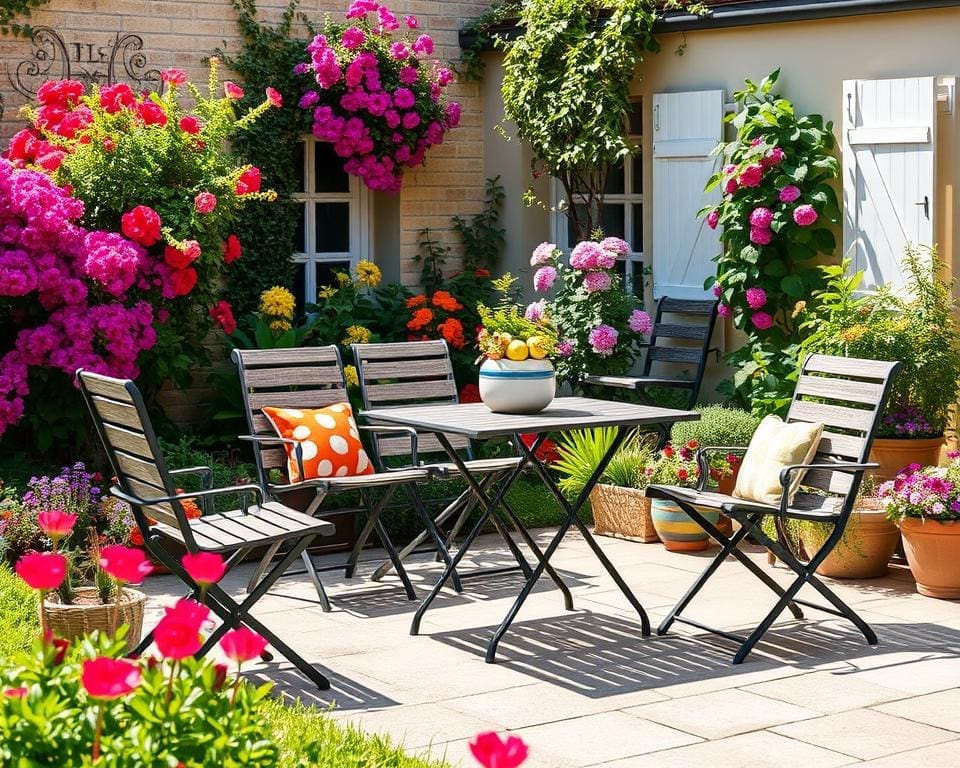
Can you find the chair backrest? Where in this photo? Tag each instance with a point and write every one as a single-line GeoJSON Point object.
{"type": "Point", "coordinates": [298, 377]}
{"type": "Point", "coordinates": [407, 373]}
{"type": "Point", "coordinates": [121, 420]}
{"type": "Point", "coordinates": [684, 338]}
{"type": "Point", "coordinates": [847, 395]}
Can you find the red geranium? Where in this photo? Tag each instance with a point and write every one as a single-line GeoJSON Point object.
{"type": "Point", "coordinates": [470, 394]}
{"type": "Point", "coordinates": [222, 314]}
{"type": "Point", "coordinates": [61, 93]}
{"type": "Point", "coordinates": [151, 113]}
{"type": "Point", "coordinates": [231, 249]}
{"type": "Point", "coordinates": [547, 453]}
{"type": "Point", "coordinates": [190, 124]}
{"type": "Point", "coordinates": [141, 224]}
{"type": "Point", "coordinates": [183, 280]}
{"type": "Point", "coordinates": [249, 181]}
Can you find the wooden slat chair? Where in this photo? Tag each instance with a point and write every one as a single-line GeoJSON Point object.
{"type": "Point", "coordinates": [688, 345]}
{"type": "Point", "coordinates": [846, 395]}
{"type": "Point", "coordinates": [307, 378]}
{"type": "Point", "coordinates": [144, 482]}
{"type": "Point", "coordinates": [420, 373]}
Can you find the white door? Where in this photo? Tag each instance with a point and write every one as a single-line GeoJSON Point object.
{"type": "Point", "coordinates": [686, 128]}
{"type": "Point", "coordinates": [889, 141]}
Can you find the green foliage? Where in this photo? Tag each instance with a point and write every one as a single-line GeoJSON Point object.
{"type": "Point", "coordinates": [12, 10]}
{"type": "Point", "coordinates": [267, 57]}
{"type": "Point", "coordinates": [567, 87]}
{"type": "Point", "coordinates": [581, 451]}
{"type": "Point", "coordinates": [917, 328]}
{"type": "Point", "coordinates": [179, 714]}
{"type": "Point", "coordinates": [780, 149]}
{"type": "Point", "coordinates": [718, 425]}
{"type": "Point", "coordinates": [471, 68]}
{"type": "Point", "coordinates": [19, 624]}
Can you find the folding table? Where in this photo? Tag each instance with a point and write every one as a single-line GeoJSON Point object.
{"type": "Point", "coordinates": [476, 422]}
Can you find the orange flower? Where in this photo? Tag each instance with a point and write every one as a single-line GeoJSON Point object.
{"type": "Point", "coordinates": [190, 508]}
{"type": "Point", "coordinates": [446, 302]}
{"type": "Point", "coordinates": [452, 331]}
{"type": "Point", "coordinates": [421, 318]}
{"type": "Point", "coordinates": [416, 301]}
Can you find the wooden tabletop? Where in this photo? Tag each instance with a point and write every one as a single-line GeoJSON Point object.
{"type": "Point", "coordinates": [476, 421]}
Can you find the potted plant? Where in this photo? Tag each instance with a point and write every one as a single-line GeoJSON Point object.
{"type": "Point", "coordinates": [620, 506]}
{"type": "Point", "coordinates": [925, 504]}
{"type": "Point", "coordinates": [867, 543]}
{"type": "Point", "coordinates": [676, 529]}
{"type": "Point", "coordinates": [516, 375]}
{"type": "Point", "coordinates": [916, 328]}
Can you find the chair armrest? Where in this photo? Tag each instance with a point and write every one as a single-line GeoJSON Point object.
{"type": "Point", "coordinates": [206, 480]}
{"type": "Point", "coordinates": [212, 492]}
{"type": "Point", "coordinates": [397, 430]}
{"type": "Point", "coordinates": [297, 448]}
{"type": "Point", "coordinates": [703, 460]}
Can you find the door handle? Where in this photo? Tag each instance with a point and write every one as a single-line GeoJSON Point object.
{"type": "Point", "coordinates": [926, 205]}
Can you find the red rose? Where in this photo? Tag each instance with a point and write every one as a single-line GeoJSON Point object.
{"type": "Point", "coordinates": [113, 98]}
{"type": "Point", "coordinates": [140, 224]}
{"type": "Point", "coordinates": [183, 280]}
{"type": "Point", "coordinates": [231, 249]}
{"type": "Point", "coordinates": [222, 314]}
{"type": "Point", "coordinates": [205, 202]}
{"type": "Point", "coordinates": [51, 160]}
{"type": "Point", "coordinates": [190, 124]}
{"type": "Point", "coordinates": [176, 258]}
{"type": "Point", "coordinates": [274, 97]}
{"type": "Point", "coordinates": [682, 474]}
{"type": "Point", "coordinates": [106, 679]}
{"type": "Point", "coordinates": [249, 181]}
{"type": "Point", "coordinates": [242, 644]}
{"type": "Point", "coordinates": [151, 113]}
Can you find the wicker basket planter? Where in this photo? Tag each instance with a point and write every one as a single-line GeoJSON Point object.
{"type": "Point", "coordinates": [87, 614]}
{"type": "Point", "coordinates": [623, 512]}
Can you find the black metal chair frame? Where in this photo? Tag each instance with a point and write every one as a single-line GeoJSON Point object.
{"type": "Point", "coordinates": [143, 481]}
{"type": "Point", "coordinates": [250, 364]}
{"type": "Point", "coordinates": [838, 467]}
{"type": "Point", "coordinates": [424, 366]}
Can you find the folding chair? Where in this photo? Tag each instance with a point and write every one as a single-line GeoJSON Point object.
{"type": "Point", "coordinates": [144, 482]}
{"type": "Point", "coordinates": [689, 345]}
{"type": "Point", "coordinates": [847, 395]}
{"type": "Point", "coordinates": [421, 373]}
{"type": "Point", "coordinates": [307, 378]}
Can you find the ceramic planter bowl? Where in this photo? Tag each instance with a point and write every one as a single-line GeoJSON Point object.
{"type": "Point", "coordinates": [677, 530]}
{"type": "Point", "coordinates": [508, 386]}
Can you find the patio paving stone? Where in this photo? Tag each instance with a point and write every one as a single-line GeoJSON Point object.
{"type": "Point", "coordinates": [936, 709]}
{"type": "Point", "coordinates": [826, 692]}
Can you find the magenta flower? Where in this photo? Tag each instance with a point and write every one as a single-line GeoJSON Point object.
{"type": "Point", "coordinates": [729, 168]}
{"type": "Point", "coordinates": [423, 45]}
{"type": "Point", "coordinates": [751, 176]}
{"type": "Point", "coordinates": [761, 320]}
{"type": "Point", "coordinates": [616, 245]}
{"type": "Point", "coordinates": [640, 322]}
{"type": "Point", "coordinates": [586, 255]}
{"type": "Point", "coordinates": [535, 311]}
{"type": "Point", "coordinates": [723, 310]}
{"type": "Point", "coordinates": [774, 157]}
{"type": "Point", "coordinates": [756, 297]}
{"type": "Point", "coordinates": [603, 339]}
{"type": "Point", "coordinates": [789, 194]}
{"type": "Point", "coordinates": [412, 22]}
{"type": "Point", "coordinates": [761, 217]}
{"type": "Point", "coordinates": [399, 51]}
{"type": "Point", "coordinates": [543, 254]}
{"type": "Point", "coordinates": [544, 278]}
{"type": "Point", "coordinates": [352, 37]}
{"type": "Point", "coordinates": [713, 218]}
{"type": "Point", "coordinates": [717, 290]}
{"type": "Point", "coordinates": [761, 236]}
{"type": "Point", "coordinates": [566, 347]}
{"type": "Point", "coordinates": [730, 186]}
{"type": "Point", "coordinates": [805, 215]}
{"type": "Point", "coordinates": [597, 281]}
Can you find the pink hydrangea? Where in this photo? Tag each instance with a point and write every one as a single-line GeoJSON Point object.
{"type": "Point", "coordinates": [640, 322]}
{"type": "Point", "coordinates": [761, 217]}
{"type": "Point", "coordinates": [762, 321]}
{"type": "Point", "coordinates": [756, 297]}
{"type": "Point", "coordinates": [713, 218]}
{"type": "Point", "coordinates": [616, 245]}
{"type": "Point", "coordinates": [597, 281]}
{"type": "Point", "coordinates": [789, 194]}
{"type": "Point", "coordinates": [566, 347]}
{"type": "Point", "coordinates": [723, 310]}
{"type": "Point", "coordinates": [761, 235]}
{"type": "Point", "coordinates": [543, 254]}
{"type": "Point", "coordinates": [544, 278]}
{"type": "Point", "coordinates": [586, 255]}
{"type": "Point", "coordinates": [603, 339]}
{"type": "Point", "coordinates": [751, 176]}
{"type": "Point", "coordinates": [535, 311]}
{"type": "Point", "coordinates": [805, 215]}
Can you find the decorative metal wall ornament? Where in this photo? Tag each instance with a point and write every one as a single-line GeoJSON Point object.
{"type": "Point", "coordinates": [53, 58]}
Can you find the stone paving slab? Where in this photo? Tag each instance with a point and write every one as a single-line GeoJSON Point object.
{"type": "Point", "coordinates": [583, 688]}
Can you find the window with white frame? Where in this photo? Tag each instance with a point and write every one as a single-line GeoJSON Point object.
{"type": "Point", "coordinates": [333, 231]}
{"type": "Point", "coordinates": [622, 214]}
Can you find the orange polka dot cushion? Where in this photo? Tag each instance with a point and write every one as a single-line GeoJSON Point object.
{"type": "Point", "coordinates": [328, 438]}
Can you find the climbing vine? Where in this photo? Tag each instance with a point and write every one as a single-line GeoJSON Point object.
{"type": "Point", "coordinates": [267, 57]}
{"type": "Point", "coordinates": [11, 10]}
{"type": "Point", "coordinates": [471, 68]}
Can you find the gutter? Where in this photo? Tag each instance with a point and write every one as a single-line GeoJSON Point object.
{"type": "Point", "coordinates": [750, 14]}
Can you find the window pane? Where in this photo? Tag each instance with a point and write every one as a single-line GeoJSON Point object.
{"type": "Point", "coordinates": [637, 181]}
{"type": "Point", "coordinates": [637, 244]}
{"type": "Point", "coordinates": [299, 166]}
{"type": "Point", "coordinates": [332, 221]}
{"type": "Point", "coordinates": [327, 272]}
{"type": "Point", "coordinates": [635, 282]}
{"type": "Point", "coordinates": [300, 234]}
{"type": "Point", "coordinates": [299, 286]}
{"type": "Point", "coordinates": [635, 119]}
{"type": "Point", "coordinates": [612, 222]}
{"type": "Point", "coordinates": [615, 184]}
{"type": "Point", "coordinates": [329, 175]}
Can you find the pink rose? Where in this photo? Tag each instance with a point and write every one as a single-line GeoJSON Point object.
{"type": "Point", "coordinates": [761, 217]}
{"type": "Point", "coordinates": [761, 320]}
{"type": "Point", "coordinates": [352, 37]}
{"type": "Point", "coordinates": [756, 297]}
{"type": "Point", "coordinates": [713, 218]}
{"type": "Point", "coordinates": [730, 186]}
{"type": "Point", "coordinates": [805, 215]}
{"type": "Point", "coordinates": [205, 202]}
{"type": "Point", "coordinates": [723, 310]}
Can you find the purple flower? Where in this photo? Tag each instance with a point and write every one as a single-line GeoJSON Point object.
{"type": "Point", "coordinates": [566, 347]}
{"type": "Point", "coordinates": [603, 339]}
{"type": "Point", "coordinates": [543, 254]}
{"type": "Point", "coordinates": [640, 322]}
{"type": "Point", "coordinates": [756, 297]}
{"type": "Point", "coordinates": [544, 278]}
{"type": "Point", "coordinates": [535, 311]}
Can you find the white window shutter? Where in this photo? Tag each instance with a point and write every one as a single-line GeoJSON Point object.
{"type": "Point", "coordinates": [686, 128]}
{"type": "Point", "coordinates": [889, 141]}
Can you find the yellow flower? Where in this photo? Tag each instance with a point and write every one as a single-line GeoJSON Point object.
{"type": "Point", "coordinates": [853, 334]}
{"type": "Point", "coordinates": [343, 278]}
{"type": "Point", "coordinates": [279, 326]}
{"type": "Point", "coordinates": [357, 334]}
{"type": "Point", "coordinates": [277, 302]}
{"type": "Point", "coordinates": [368, 273]}
{"type": "Point", "coordinates": [327, 292]}
{"type": "Point", "coordinates": [350, 374]}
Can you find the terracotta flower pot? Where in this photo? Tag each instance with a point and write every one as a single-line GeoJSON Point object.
{"type": "Point", "coordinates": [933, 552]}
{"type": "Point", "coordinates": [865, 548]}
{"type": "Point", "coordinates": [894, 453]}
{"type": "Point", "coordinates": [677, 530]}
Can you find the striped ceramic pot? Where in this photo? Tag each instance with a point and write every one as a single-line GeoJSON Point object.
{"type": "Point", "coordinates": [510, 386]}
{"type": "Point", "coordinates": [677, 530]}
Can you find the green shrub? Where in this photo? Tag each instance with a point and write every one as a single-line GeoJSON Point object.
{"type": "Point", "coordinates": [19, 624]}
{"type": "Point", "coordinates": [718, 425]}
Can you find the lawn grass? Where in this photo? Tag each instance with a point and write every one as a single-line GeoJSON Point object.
{"type": "Point", "coordinates": [19, 623]}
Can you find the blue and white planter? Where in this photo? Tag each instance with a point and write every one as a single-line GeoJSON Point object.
{"type": "Point", "coordinates": [510, 386]}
